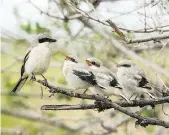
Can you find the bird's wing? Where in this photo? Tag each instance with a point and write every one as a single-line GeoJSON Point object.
{"type": "Point", "coordinates": [112, 78]}
{"type": "Point", "coordinates": [24, 61]}
{"type": "Point", "coordinates": [144, 83]}
{"type": "Point", "coordinates": [141, 77]}
{"type": "Point", "coordinates": [114, 82]}
{"type": "Point", "coordinates": [86, 76]}
{"type": "Point", "coordinates": [106, 78]}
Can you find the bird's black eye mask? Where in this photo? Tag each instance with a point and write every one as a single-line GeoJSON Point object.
{"type": "Point", "coordinates": [124, 65]}
{"type": "Point", "coordinates": [73, 60]}
{"type": "Point", "coordinates": [96, 64]}
{"type": "Point", "coordinates": [42, 40]}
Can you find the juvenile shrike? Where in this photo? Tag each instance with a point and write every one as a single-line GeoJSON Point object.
{"type": "Point", "coordinates": [104, 77]}
{"type": "Point", "coordinates": [36, 61]}
{"type": "Point", "coordinates": [77, 74]}
{"type": "Point", "coordinates": [132, 79]}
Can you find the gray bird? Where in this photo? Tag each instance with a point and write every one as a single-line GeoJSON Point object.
{"type": "Point", "coordinates": [36, 61]}
{"type": "Point", "coordinates": [104, 77]}
{"type": "Point", "coordinates": [132, 79]}
{"type": "Point", "coordinates": [77, 74]}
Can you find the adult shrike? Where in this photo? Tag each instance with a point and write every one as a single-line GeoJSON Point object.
{"type": "Point", "coordinates": [132, 79]}
{"type": "Point", "coordinates": [36, 61]}
{"type": "Point", "coordinates": [77, 74]}
{"type": "Point", "coordinates": [104, 77]}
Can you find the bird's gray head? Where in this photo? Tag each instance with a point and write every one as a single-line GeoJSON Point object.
{"type": "Point", "coordinates": [125, 63]}
{"type": "Point", "coordinates": [45, 38]}
{"type": "Point", "coordinates": [93, 62]}
{"type": "Point", "coordinates": [72, 58]}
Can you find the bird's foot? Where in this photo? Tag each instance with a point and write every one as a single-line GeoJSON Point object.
{"type": "Point", "coordinates": [73, 91]}
{"type": "Point", "coordinates": [33, 78]}
{"type": "Point", "coordinates": [107, 97]}
{"type": "Point", "coordinates": [132, 96]}
{"type": "Point", "coordinates": [136, 97]}
{"type": "Point", "coordinates": [101, 106]}
{"type": "Point", "coordinates": [41, 92]}
{"type": "Point", "coordinates": [45, 82]}
{"type": "Point", "coordinates": [85, 91]}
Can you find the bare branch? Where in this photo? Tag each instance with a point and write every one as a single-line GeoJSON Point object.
{"type": "Point", "coordinates": [104, 103]}
{"type": "Point", "coordinates": [155, 38]}
{"type": "Point", "coordinates": [125, 50]}
{"type": "Point", "coordinates": [115, 126]}
{"type": "Point", "coordinates": [46, 13]}
{"type": "Point", "coordinates": [40, 118]}
{"type": "Point", "coordinates": [134, 103]}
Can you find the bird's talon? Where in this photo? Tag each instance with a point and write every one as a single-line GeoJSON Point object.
{"type": "Point", "coordinates": [45, 82]}
{"type": "Point", "coordinates": [71, 91]}
{"type": "Point", "coordinates": [33, 78]}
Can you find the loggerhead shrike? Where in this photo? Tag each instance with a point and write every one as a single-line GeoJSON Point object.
{"type": "Point", "coordinates": [132, 79]}
{"type": "Point", "coordinates": [36, 61]}
{"type": "Point", "coordinates": [77, 74]}
{"type": "Point", "coordinates": [104, 77]}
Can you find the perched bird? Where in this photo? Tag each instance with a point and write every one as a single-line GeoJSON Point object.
{"type": "Point", "coordinates": [104, 77]}
{"type": "Point", "coordinates": [132, 79]}
{"type": "Point", "coordinates": [36, 61]}
{"type": "Point", "coordinates": [77, 74]}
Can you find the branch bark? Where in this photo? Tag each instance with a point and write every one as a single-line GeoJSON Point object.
{"type": "Point", "coordinates": [104, 103]}
{"type": "Point", "coordinates": [134, 103]}
{"type": "Point", "coordinates": [155, 38]}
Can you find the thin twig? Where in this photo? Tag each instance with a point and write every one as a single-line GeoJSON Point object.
{"type": "Point", "coordinates": [154, 38]}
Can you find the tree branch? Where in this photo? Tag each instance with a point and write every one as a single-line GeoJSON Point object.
{"type": "Point", "coordinates": [112, 128]}
{"type": "Point", "coordinates": [104, 103]}
{"type": "Point", "coordinates": [134, 103]}
{"type": "Point", "coordinates": [40, 118]}
{"type": "Point", "coordinates": [155, 38]}
{"type": "Point", "coordinates": [125, 50]}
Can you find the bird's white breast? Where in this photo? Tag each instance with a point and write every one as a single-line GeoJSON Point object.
{"type": "Point", "coordinates": [126, 79]}
{"type": "Point", "coordinates": [73, 80]}
{"type": "Point", "coordinates": [38, 60]}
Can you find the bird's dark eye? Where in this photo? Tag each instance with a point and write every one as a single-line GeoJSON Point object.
{"type": "Point", "coordinates": [73, 60]}
{"type": "Point", "coordinates": [96, 64]}
{"type": "Point", "coordinates": [125, 65]}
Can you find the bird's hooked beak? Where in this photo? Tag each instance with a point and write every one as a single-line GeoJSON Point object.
{"type": "Point", "coordinates": [88, 63]}
{"type": "Point", "coordinates": [52, 40]}
{"type": "Point", "coordinates": [67, 58]}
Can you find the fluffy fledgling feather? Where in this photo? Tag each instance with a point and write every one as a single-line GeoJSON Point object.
{"type": "Point", "coordinates": [104, 77]}
{"type": "Point", "coordinates": [132, 79]}
{"type": "Point", "coordinates": [77, 74]}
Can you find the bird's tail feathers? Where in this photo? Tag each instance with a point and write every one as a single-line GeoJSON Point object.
{"type": "Point", "coordinates": [100, 86]}
{"type": "Point", "coordinates": [19, 85]}
{"type": "Point", "coordinates": [118, 86]}
{"type": "Point", "coordinates": [147, 86]}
